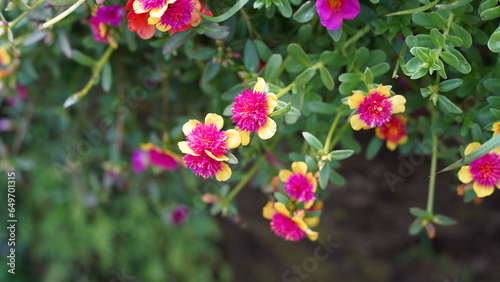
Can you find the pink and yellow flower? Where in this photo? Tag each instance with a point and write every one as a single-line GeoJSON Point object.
{"type": "Point", "coordinates": [154, 155]}
{"type": "Point", "coordinates": [206, 147]}
{"type": "Point", "coordinates": [287, 226]}
{"type": "Point", "coordinates": [332, 12]}
{"type": "Point", "coordinates": [376, 109]}
{"type": "Point", "coordinates": [299, 184]}
{"type": "Point", "coordinates": [496, 128]}
{"type": "Point", "coordinates": [314, 221]}
{"type": "Point", "coordinates": [251, 112]}
{"type": "Point", "coordinates": [103, 18]}
{"type": "Point", "coordinates": [393, 132]}
{"type": "Point", "coordinates": [484, 172]}
{"type": "Point", "coordinates": [139, 22]}
{"type": "Point", "coordinates": [177, 15]}
{"type": "Point", "coordinates": [155, 8]}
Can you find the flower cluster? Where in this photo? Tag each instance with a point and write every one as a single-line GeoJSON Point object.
{"type": "Point", "coordinates": [374, 109]}
{"type": "Point", "coordinates": [146, 16]}
{"type": "Point", "coordinates": [104, 17]}
{"type": "Point", "coordinates": [300, 187]}
{"type": "Point", "coordinates": [154, 155]}
{"type": "Point", "coordinates": [207, 146]}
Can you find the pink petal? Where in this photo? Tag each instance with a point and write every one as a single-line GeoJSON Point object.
{"type": "Point", "coordinates": [350, 9]}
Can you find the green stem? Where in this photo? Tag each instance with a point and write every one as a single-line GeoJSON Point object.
{"type": "Point", "coordinates": [330, 132]}
{"type": "Point", "coordinates": [63, 14]}
{"type": "Point", "coordinates": [432, 180]}
{"type": "Point", "coordinates": [16, 21]}
{"type": "Point", "coordinates": [356, 36]}
{"type": "Point", "coordinates": [242, 183]}
{"type": "Point", "coordinates": [285, 90]}
{"type": "Point", "coordinates": [338, 136]}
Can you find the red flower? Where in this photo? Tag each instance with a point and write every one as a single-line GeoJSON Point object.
{"type": "Point", "coordinates": [196, 17]}
{"type": "Point", "coordinates": [139, 22]}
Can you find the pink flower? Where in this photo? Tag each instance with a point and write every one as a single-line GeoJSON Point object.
{"type": "Point", "coordinates": [179, 215]}
{"type": "Point", "coordinates": [333, 12]}
{"type": "Point", "coordinates": [291, 228]}
{"type": "Point", "coordinates": [206, 147]}
{"type": "Point", "coordinates": [154, 155]}
{"type": "Point", "coordinates": [375, 109]}
{"type": "Point", "coordinates": [111, 15]}
{"type": "Point", "coordinates": [251, 112]}
{"type": "Point", "coordinates": [393, 131]}
{"type": "Point", "coordinates": [484, 172]}
{"type": "Point", "coordinates": [139, 160]}
{"type": "Point", "coordinates": [175, 17]}
{"type": "Point", "coordinates": [299, 184]}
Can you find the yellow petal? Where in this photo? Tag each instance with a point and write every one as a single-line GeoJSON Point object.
{"type": "Point", "coordinates": [284, 175]}
{"type": "Point", "coordinates": [162, 27]}
{"type": "Point", "coordinates": [299, 167]}
{"type": "Point", "coordinates": [157, 12]}
{"type": "Point", "coordinates": [233, 138]}
{"type": "Point", "coordinates": [300, 223]}
{"type": "Point", "coordinates": [138, 8]}
{"type": "Point", "coordinates": [224, 174]}
{"type": "Point", "coordinates": [268, 210]}
{"type": "Point", "coordinates": [268, 130]}
{"type": "Point", "coordinates": [312, 221]}
{"type": "Point", "coordinates": [4, 57]}
{"type": "Point", "coordinates": [184, 147]}
{"type": "Point", "coordinates": [482, 191]}
{"type": "Point", "coordinates": [189, 126]}
{"type": "Point", "coordinates": [496, 128]}
{"type": "Point", "coordinates": [471, 147]}
{"type": "Point", "coordinates": [215, 119]}
{"type": "Point", "coordinates": [403, 140]}
{"type": "Point", "coordinates": [308, 205]}
{"type": "Point", "coordinates": [260, 86]}
{"type": "Point", "coordinates": [356, 123]}
{"type": "Point", "coordinates": [280, 207]}
{"type": "Point", "coordinates": [218, 158]}
{"type": "Point", "coordinates": [153, 20]}
{"type": "Point", "coordinates": [356, 99]}
{"type": "Point", "coordinates": [312, 235]}
{"type": "Point", "coordinates": [244, 137]}
{"type": "Point", "coordinates": [147, 146]}
{"type": "Point", "coordinates": [398, 104]}
{"type": "Point", "coordinates": [313, 181]}
{"type": "Point", "coordinates": [464, 174]}
{"type": "Point", "coordinates": [381, 90]}
{"type": "Point", "coordinates": [391, 145]}
{"type": "Point", "coordinates": [272, 101]}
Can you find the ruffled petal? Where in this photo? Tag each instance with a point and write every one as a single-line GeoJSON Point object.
{"type": "Point", "coordinates": [215, 119]}
{"type": "Point", "coordinates": [398, 104]}
{"type": "Point", "coordinates": [158, 12]}
{"type": "Point", "coordinates": [299, 167]}
{"type": "Point", "coordinates": [268, 210]}
{"type": "Point", "coordinates": [244, 137]}
{"type": "Point", "coordinates": [233, 138]}
{"type": "Point", "coordinates": [464, 174]}
{"type": "Point", "coordinates": [185, 149]}
{"type": "Point", "coordinates": [284, 175]}
{"type": "Point", "coordinates": [260, 86]}
{"type": "Point", "coordinates": [355, 100]}
{"type": "Point", "coordinates": [189, 126]}
{"type": "Point", "coordinates": [138, 7]}
{"type": "Point", "coordinates": [272, 101]}
{"type": "Point", "coordinates": [357, 123]}
{"type": "Point", "coordinates": [280, 207]}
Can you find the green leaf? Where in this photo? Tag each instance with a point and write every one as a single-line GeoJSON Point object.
{"type": "Point", "coordinates": [453, 5]}
{"type": "Point", "coordinates": [264, 52]}
{"type": "Point", "coordinates": [373, 147]}
{"type": "Point", "coordinates": [380, 69]}
{"type": "Point", "coordinates": [368, 76]}
{"type": "Point", "coordinates": [292, 116]}
{"type": "Point", "coordinates": [419, 213]}
{"type": "Point", "coordinates": [450, 84]}
{"type": "Point", "coordinates": [332, 59]}
{"type": "Point", "coordinates": [210, 71]}
{"type": "Point", "coordinates": [285, 9]}
{"type": "Point", "coordinates": [449, 58]}
{"type": "Point", "coordinates": [414, 10]}
{"type": "Point", "coordinates": [304, 77]}
{"type": "Point", "coordinates": [281, 111]}
{"type": "Point", "coordinates": [63, 43]}
{"type": "Point", "coordinates": [250, 57]}
{"type": "Point", "coordinates": [335, 34]}
{"type": "Point", "coordinates": [463, 34]}
{"type": "Point", "coordinates": [272, 67]}
{"type": "Point", "coordinates": [350, 77]}
{"type": "Point", "coordinates": [83, 59]}
{"type": "Point", "coordinates": [438, 21]}
{"type": "Point", "coordinates": [487, 4]}
{"type": "Point", "coordinates": [326, 78]}
{"type": "Point", "coordinates": [321, 107]}
{"type": "Point", "coordinates": [443, 220]}
{"type": "Point", "coordinates": [494, 42]}
{"type": "Point", "coordinates": [214, 31]}
{"type": "Point", "coordinates": [203, 53]}
{"type": "Point", "coordinates": [419, 40]}
{"type": "Point", "coordinates": [227, 14]}
{"type": "Point", "coordinates": [336, 178]}
{"type": "Point", "coordinates": [415, 227]}
{"type": "Point", "coordinates": [448, 106]}
{"type": "Point", "coordinates": [61, 2]}
{"type": "Point", "coordinates": [312, 141]}
{"type": "Point", "coordinates": [479, 152]}
{"type": "Point", "coordinates": [312, 214]}
{"type": "Point", "coordinates": [437, 38]}
{"type": "Point", "coordinates": [340, 154]}
{"type": "Point", "coordinates": [454, 40]}
{"type": "Point", "coordinates": [231, 158]}
{"type": "Point", "coordinates": [306, 12]}
{"type": "Point", "coordinates": [490, 14]}
{"type": "Point", "coordinates": [280, 197]}
{"type": "Point", "coordinates": [298, 54]}
{"type": "Point", "coordinates": [422, 19]}
{"type": "Point", "coordinates": [324, 176]}
{"type": "Point", "coordinates": [360, 57]}
{"type": "Point", "coordinates": [106, 77]}
{"type": "Point", "coordinates": [177, 40]}
{"type": "Point", "coordinates": [463, 66]}
{"type": "Point", "coordinates": [492, 84]}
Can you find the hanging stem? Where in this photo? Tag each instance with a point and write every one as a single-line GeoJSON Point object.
{"type": "Point", "coordinates": [16, 21]}
{"type": "Point", "coordinates": [63, 14]}
{"type": "Point", "coordinates": [326, 148]}
{"type": "Point", "coordinates": [435, 140]}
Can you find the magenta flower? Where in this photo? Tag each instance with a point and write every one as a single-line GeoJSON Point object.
{"type": "Point", "coordinates": [179, 215]}
{"type": "Point", "coordinates": [206, 147]}
{"type": "Point", "coordinates": [111, 15]}
{"type": "Point", "coordinates": [299, 183]}
{"type": "Point", "coordinates": [154, 155]}
{"type": "Point", "coordinates": [251, 112]}
{"type": "Point", "coordinates": [176, 16]}
{"type": "Point", "coordinates": [291, 228]}
{"type": "Point", "coordinates": [99, 29]}
{"type": "Point", "coordinates": [333, 12]}
{"type": "Point", "coordinates": [483, 173]}
{"type": "Point", "coordinates": [376, 109]}
{"type": "Point", "coordinates": [139, 160]}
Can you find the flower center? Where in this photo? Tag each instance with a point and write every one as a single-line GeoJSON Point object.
{"type": "Point", "coordinates": [335, 4]}
{"type": "Point", "coordinates": [207, 137]}
{"type": "Point", "coordinates": [298, 187]}
{"type": "Point", "coordinates": [375, 110]}
{"type": "Point", "coordinates": [486, 170]}
{"type": "Point", "coordinates": [152, 4]}
{"type": "Point", "coordinates": [178, 14]}
{"type": "Point", "coordinates": [202, 165]}
{"type": "Point", "coordinates": [250, 110]}
{"type": "Point", "coordinates": [286, 228]}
